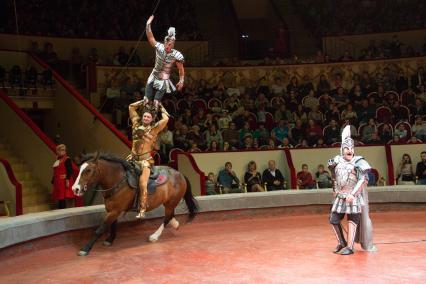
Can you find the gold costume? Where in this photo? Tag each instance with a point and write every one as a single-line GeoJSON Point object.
{"type": "Point", "coordinates": [144, 138]}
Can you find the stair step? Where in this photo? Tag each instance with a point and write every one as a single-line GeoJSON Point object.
{"type": "Point", "coordinates": [36, 208]}
{"type": "Point", "coordinates": [35, 199]}
{"type": "Point", "coordinates": [23, 176]}
{"type": "Point", "coordinates": [19, 167]}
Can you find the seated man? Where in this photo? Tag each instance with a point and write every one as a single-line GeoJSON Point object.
{"type": "Point", "coordinates": [323, 177]}
{"type": "Point", "coordinates": [273, 177]}
{"type": "Point", "coordinates": [421, 169]}
{"type": "Point", "coordinates": [228, 179]}
{"type": "Point", "coordinates": [304, 178]}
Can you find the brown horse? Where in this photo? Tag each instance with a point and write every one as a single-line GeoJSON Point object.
{"type": "Point", "coordinates": [109, 173]}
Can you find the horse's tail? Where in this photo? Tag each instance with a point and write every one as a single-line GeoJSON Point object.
{"type": "Point", "coordinates": [190, 201]}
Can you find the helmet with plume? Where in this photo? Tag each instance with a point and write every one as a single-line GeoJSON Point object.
{"type": "Point", "coordinates": [171, 35]}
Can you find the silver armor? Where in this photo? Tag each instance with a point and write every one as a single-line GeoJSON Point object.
{"type": "Point", "coordinates": [351, 177]}
{"type": "Point", "coordinates": [164, 61]}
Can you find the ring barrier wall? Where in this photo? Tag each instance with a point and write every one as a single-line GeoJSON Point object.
{"type": "Point", "coordinates": [15, 230]}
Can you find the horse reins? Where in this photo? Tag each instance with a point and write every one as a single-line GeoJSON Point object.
{"type": "Point", "coordinates": [117, 185]}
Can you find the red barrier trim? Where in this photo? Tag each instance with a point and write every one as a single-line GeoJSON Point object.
{"type": "Point", "coordinates": [24, 117]}
{"type": "Point", "coordinates": [82, 100]}
{"type": "Point", "coordinates": [293, 176]}
{"type": "Point", "coordinates": [391, 175]}
{"type": "Point", "coordinates": [196, 169]}
{"type": "Point", "coordinates": [16, 183]}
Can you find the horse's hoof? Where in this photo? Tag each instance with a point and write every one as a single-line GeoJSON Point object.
{"type": "Point", "coordinates": [82, 253]}
{"type": "Point", "coordinates": [153, 239]}
{"type": "Point", "coordinates": [107, 244]}
{"type": "Point", "coordinates": [174, 223]}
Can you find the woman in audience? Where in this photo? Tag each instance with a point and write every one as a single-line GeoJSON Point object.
{"type": "Point", "coordinates": [405, 173]}
{"type": "Point", "coordinates": [252, 178]}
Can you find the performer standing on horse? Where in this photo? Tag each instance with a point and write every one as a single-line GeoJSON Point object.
{"type": "Point", "coordinates": [350, 197]}
{"type": "Point", "coordinates": [144, 132]}
{"type": "Point", "coordinates": [159, 80]}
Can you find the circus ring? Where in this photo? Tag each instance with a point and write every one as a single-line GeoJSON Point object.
{"type": "Point", "coordinates": [273, 237]}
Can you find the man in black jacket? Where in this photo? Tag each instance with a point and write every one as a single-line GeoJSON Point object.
{"type": "Point", "coordinates": [273, 177]}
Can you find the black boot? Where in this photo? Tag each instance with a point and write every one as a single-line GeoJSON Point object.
{"type": "Point", "coordinates": [338, 230]}
{"type": "Point", "coordinates": [346, 251]}
{"type": "Point", "coordinates": [351, 239]}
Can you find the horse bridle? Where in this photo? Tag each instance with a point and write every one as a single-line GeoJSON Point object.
{"type": "Point", "coordinates": [115, 186]}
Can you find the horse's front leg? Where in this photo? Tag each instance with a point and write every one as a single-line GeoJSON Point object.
{"type": "Point", "coordinates": [112, 233]}
{"type": "Point", "coordinates": [108, 220]}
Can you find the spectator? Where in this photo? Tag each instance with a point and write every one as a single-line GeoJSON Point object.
{"type": "Point", "coordinates": [194, 148]}
{"type": "Point", "coordinates": [195, 136]}
{"type": "Point", "coordinates": [228, 179]}
{"type": "Point", "coordinates": [348, 113]}
{"type": "Point", "coordinates": [323, 177]}
{"type": "Point", "coordinates": [282, 130]}
{"type": "Point", "coordinates": [365, 112]}
{"type": "Point", "coordinates": [300, 114]}
{"type": "Point", "coordinates": [316, 115]}
{"type": "Point", "coordinates": [333, 113]}
{"type": "Point", "coordinates": [282, 113]}
{"type": "Point", "coordinates": [271, 144]}
{"type": "Point", "coordinates": [244, 132]}
{"type": "Point", "coordinates": [181, 138]}
{"type": "Point", "coordinates": [368, 130]}
{"type": "Point", "coordinates": [272, 177]}
{"type": "Point", "coordinates": [112, 94]}
{"type": "Point", "coordinates": [212, 134]}
{"type": "Point", "coordinates": [121, 57]}
{"type": "Point", "coordinates": [165, 139]}
{"type": "Point", "coordinates": [304, 178]}
{"type": "Point", "coordinates": [313, 132]}
{"type": "Point", "coordinates": [401, 132]}
{"type": "Point", "coordinates": [227, 147]}
{"type": "Point", "coordinates": [320, 143]}
{"type": "Point", "coordinates": [261, 134]}
{"type": "Point", "coordinates": [211, 185]}
{"type": "Point", "coordinates": [213, 146]}
{"type": "Point", "coordinates": [297, 132]}
{"type": "Point", "coordinates": [386, 133]}
{"type": "Point", "coordinates": [285, 144]}
{"type": "Point", "coordinates": [252, 178]}
{"type": "Point", "coordinates": [293, 86]}
{"type": "Point", "coordinates": [224, 120]}
{"type": "Point", "coordinates": [419, 128]}
{"type": "Point", "coordinates": [278, 87]}
{"type": "Point", "coordinates": [405, 173]}
{"type": "Point", "coordinates": [374, 139]}
{"type": "Point", "coordinates": [323, 85]}
{"type": "Point", "coordinates": [421, 169]}
{"type": "Point", "coordinates": [231, 135]}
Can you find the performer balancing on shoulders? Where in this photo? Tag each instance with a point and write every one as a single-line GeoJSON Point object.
{"type": "Point", "coordinates": [159, 80]}
{"type": "Point", "coordinates": [350, 197]}
{"type": "Point", "coordinates": [144, 132]}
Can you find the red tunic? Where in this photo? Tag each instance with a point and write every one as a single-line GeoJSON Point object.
{"type": "Point", "coordinates": [60, 191]}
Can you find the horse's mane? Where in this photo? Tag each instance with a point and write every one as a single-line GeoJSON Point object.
{"type": "Point", "coordinates": [109, 158]}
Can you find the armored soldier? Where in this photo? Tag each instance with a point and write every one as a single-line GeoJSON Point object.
{"type": "Point", "coordinates": [159, 80]}
{"type": "Point", "coordinates": [350, 175]}
{"type": "Point", "coordinates": [145, 132]}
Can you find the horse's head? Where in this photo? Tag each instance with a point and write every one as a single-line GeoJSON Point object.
{"type": "Point", "coordinates": [88, 177]}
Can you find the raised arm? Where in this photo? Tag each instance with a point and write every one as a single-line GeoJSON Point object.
{"type": "Point", "coordinates": [164, 119]}
{"type": "Point", "coordinates": [133, 112]}
{"type": "Point", "coordinates": [149, 33]}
